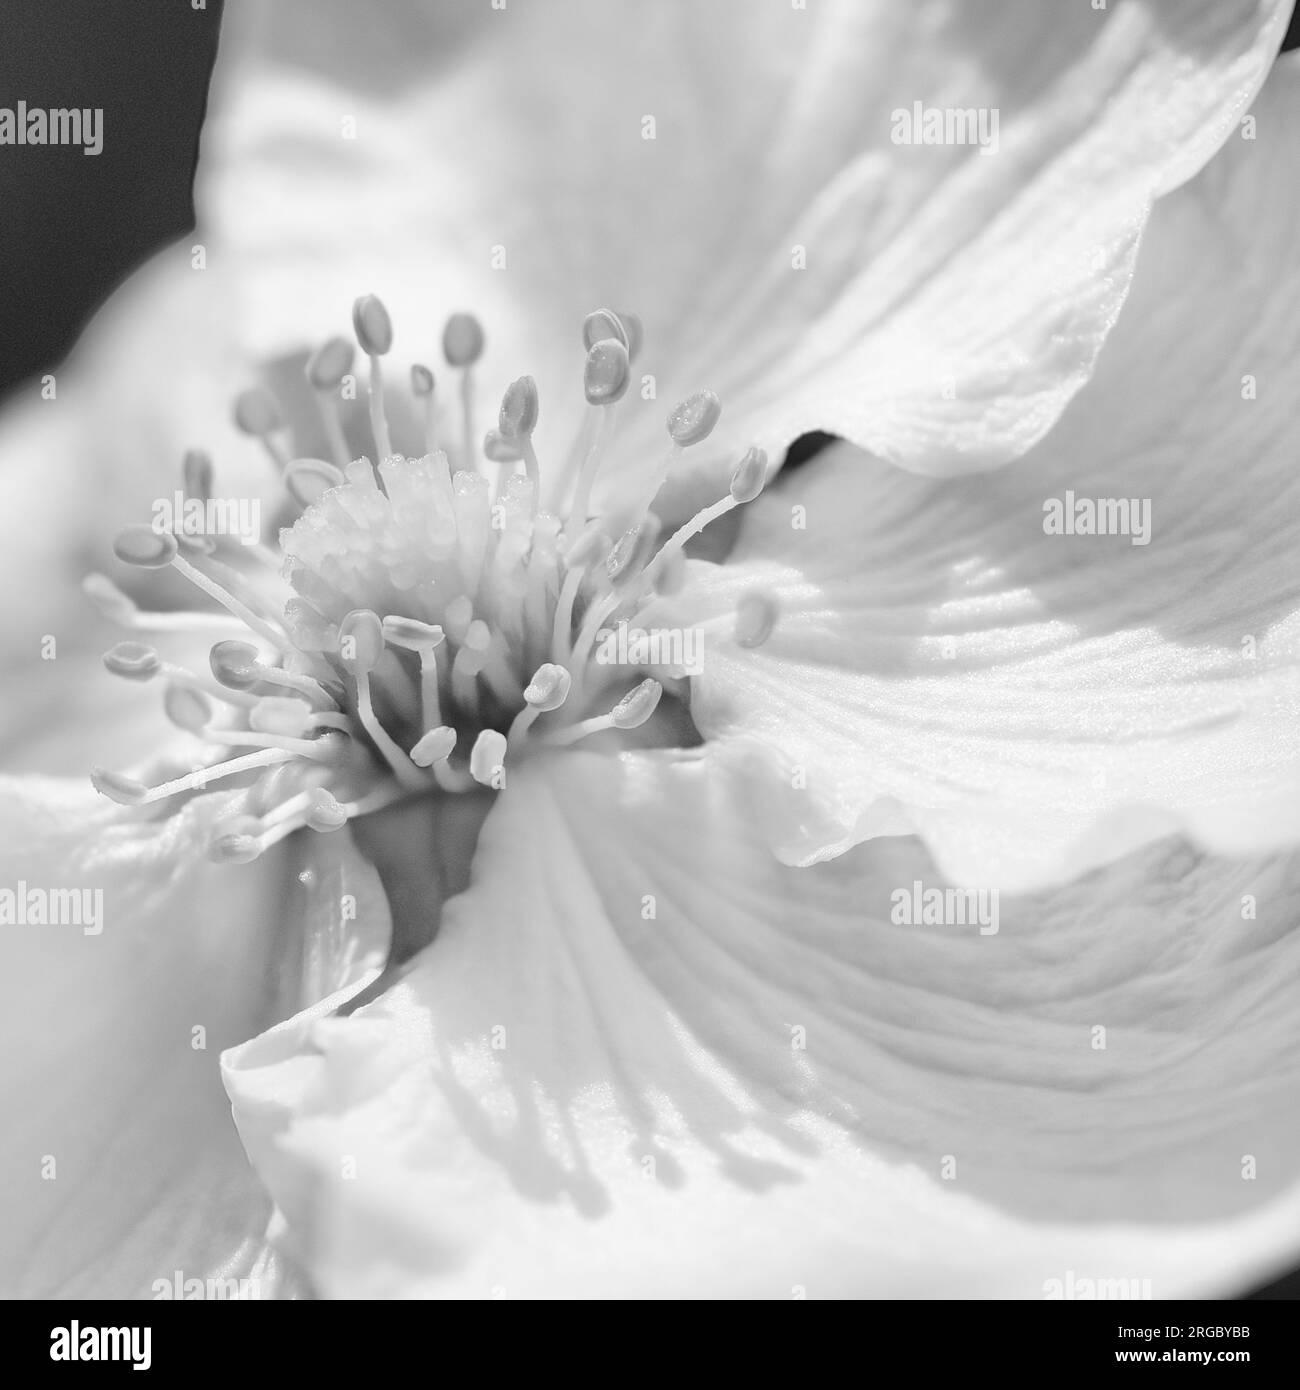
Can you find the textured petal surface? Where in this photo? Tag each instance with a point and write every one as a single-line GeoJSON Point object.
{"type": "Point", "coordinates": [643, 1057]}
{"type": "Point", "coordinates": [119, 1161]}
{"type": "Point", "coordinates": [1030, 702]}
{"type": "Point", "coordinates": [734, 173]}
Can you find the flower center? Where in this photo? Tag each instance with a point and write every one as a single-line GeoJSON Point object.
{"type": "Point", "coordinates": [420, 628]}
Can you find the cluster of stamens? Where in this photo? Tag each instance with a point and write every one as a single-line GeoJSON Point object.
{"type": "Point", "coordinates": [437, 626]}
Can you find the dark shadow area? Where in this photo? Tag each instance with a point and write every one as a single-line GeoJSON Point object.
{"type": "Point", "coordinates": [74, 225]}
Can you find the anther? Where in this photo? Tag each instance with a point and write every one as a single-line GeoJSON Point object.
{"type": "Point", "coordinates": [372, 325]}
{"type": "Point", "coordinates": [693, 420]}
{"type": "Point", "coordinates": [257, 413]}
{"type": "Point", "coordinates": [280, 714]}
{"type": "Point", "coordinates": [234, 664]}
{"type": "Point", "coordinates": [144, 547]}
{"type": "Point", "coordinates": [499, 449]}
{"type": "Point", "coordinates": [361, 641]}
{"type": "Point", "coordinates": [196, 472]}
{"type": "Point", "coordinates": [410, 633]}
{"type": "Point", "coordinates": [462, 340]}
{"type": "Point", "coordinates": [548, 690]}
{"type": "Point", "coordinates": [750, 476]}
{"type": "Point", "coordinates": [133, 661]}
{"type": "Point", "coordinates": [487, 758]}
{"type": "Point", "coordinates": [603, 323]}
{"type": "Point", "coordinates": [324, 813]}
{"type": "Point", "coordinates": [186, 707]}
{"type": "Point", "coordinates": [308, 480]}
{"type": "Point", "coordinates": [634, 333]}
{"type": "Point", "coordinates": [637, 705]}
{"type": "Point", "coordinates": [605, 376]}
{"type": "Point", "coordinates": [126, 791]}
{"type": "Point", "coordinates": [330, 363]}
{"type": "Point", "coordinates": [434, 747]}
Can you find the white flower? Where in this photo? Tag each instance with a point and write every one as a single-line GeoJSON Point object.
{"type": "Point", "coordinates": [643, 1055]}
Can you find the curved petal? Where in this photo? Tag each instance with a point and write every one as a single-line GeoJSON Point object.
{"type": "Point", "coordinates": [1098, 113]}
{"type": "Point", "coordinates": [120, 1165]}
{"type": "Point", "coordinates": [946, 303]}
{"type": "Point", "coordinates": [1034, 703]}
{"type": "Point", "coordinates": [644, 1058]}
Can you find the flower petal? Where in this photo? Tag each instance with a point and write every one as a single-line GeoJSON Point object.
{"type": "Point", "coordinates": [120, 1165]}
{"type": "Point", "coordinates": [674, 163]}
{"type": "Point", "coordinates": [1034, 703]}
{"type": "Point", "coordinates": [644, 1058]}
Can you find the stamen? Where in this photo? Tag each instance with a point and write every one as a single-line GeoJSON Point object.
{"type": "Point", "coordinates": [457, 616]}
{"type": "Point", "coordinates": [374, 330]}
{"type": "Point", "coordinates": [324, 812]}
{"type": "Point", "coordinates": [138, 662]}
{"type": "Point", "coordinates": [462, 346]}
{"type": "Point", "coordinates": [548, 690]}
{"type": "Point", "coordinates": [142, 546]}
{"type": "Point", "coordinates": [487, 759]}
{"type": "Point", "coordinates": [465, 668]}
{"type": "Point", "coordinates": [746, 483]}
{"type": "Point", "coordinates": [604, 383]}
{"type": "Point", "coordinates": [423, 638]}
{"type": "Point", "coordinates": [308, 480]}
{"type": "Point", "coordinates": [602, 324]}
{"type": "Point", "coordinates": [434, 747]}
{"type": "Point", "coordinates": [630, 713]}
{"type": "Point", "coordinates": [630, 554]}
{"type": "Point", "coordinates": [187, 708]}
{"type": "Point", "coordinates": [591, 548]}
{"type": "Point", "coordinates": [502, 578]}
{"type": "Point", "coordinates": [326, 368]}
{"type": "Point", "coordinates": [126, 791]}
{"type": "Point", "coordinates": [422, 385]}
{"type": "Point", "coordinates": [689, 423]}
{"type": "Point", "coordinates": [257, 413]}
{"type": "Point", "coordinates": [693, 420]}
{"type": "Point", "coordinates": [196, 473]}
{"type": "Point", "coordinates": [280, 714]}
{"type": "Point", "coordinates": [516, 423]}
{"type": "Point", "coordinates": [361, 644]}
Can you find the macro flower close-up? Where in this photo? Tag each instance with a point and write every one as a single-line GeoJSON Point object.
{"type": "Point", "coordinates": [663, 660]}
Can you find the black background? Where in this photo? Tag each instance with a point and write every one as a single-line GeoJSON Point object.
{"type": "Point", "coordinates": [71, 226]}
